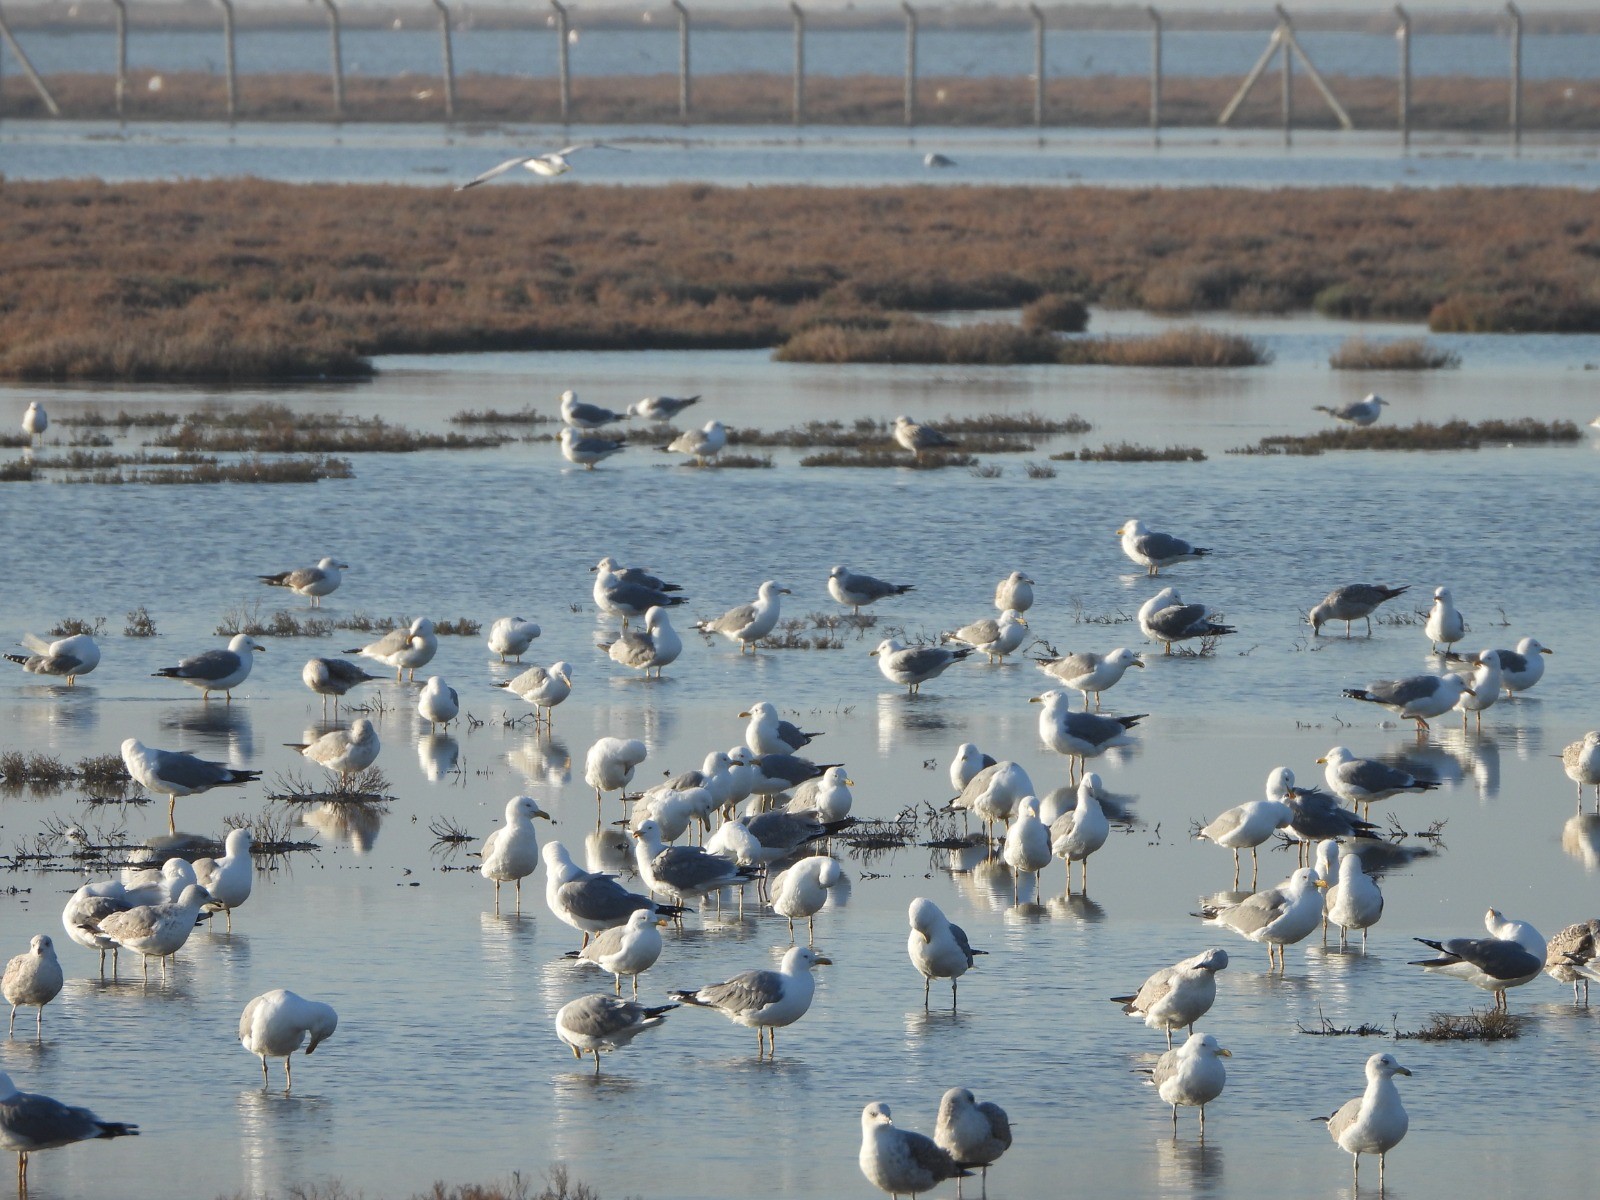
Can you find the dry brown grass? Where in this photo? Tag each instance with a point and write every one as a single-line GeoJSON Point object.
{"type": "Point", "coordinates": [1402, 354]}
{"type": "Point", "coordinates": [248, 279]}
{"type": "Point", "coordinates": [1131, 452]}
{"type": "Point", "coordinates": [1424, 435]}
{"type": "Point", "coordinates": [995, 344]}
{"type": "Point", "coordinates": [1056, 313]}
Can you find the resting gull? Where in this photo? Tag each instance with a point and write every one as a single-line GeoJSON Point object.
{"type": "Point", "coordinates": [438, 704]}
{"type": "Point", "coordinates": [995, 638]}
{"type": "Point", "coordinates": [510, 637]}
{"type": "Point", "coordinates": [1315, 815]}
{"type": "Point", "coordinates": [1152, 550]}
{"type": "Point", "coordinates": [1362, 782]}
{"type": "Point", "coordinates": [683, 872]}
{"type": "Point", "coordinates": [333, 677]}
{"type": "Point", "coordinates": [800, 892]}
{"type": "Point", "coordinates": [973, 1134]}
{"type": "Point", "coordinates": [599, 1022]}
{"type": "Point", "coordinates": [938, 947]}
{"type": "Point", "coordinates": [994, 791]}
{"type": "Point", "coordinates": [1355, 412]}
{"type": "Point", "coordinates": [32, 980]}
{"type": "Point", "coordinates": [1352, 602]}
{"type": "Point", "coordinates": [216, 670]}
{"type": "Point", "coordinates": [1246, 826]}
{"type": "Point", "coordinates": [172, 774]}
{"type": "Point", "coordinates": [657, 645]}
{"type": "Point", "coordinates": [1483, 690]}
{"type": "Point", "coordinates": [403, 649]}
{"type": "Point", "coordinates": [1087, 671]}
{"type": "Point", "coordinates": [1278, 917]}
{"type": "Point", "coordinates": [231, 878]}
{"type": "Point", "coordinates": [1027, 846]}
{"type": "Point", "coordinates": [1581, 761]}
{"type": "Point", "coordinates": [748, 623]}
{"type": "Point", "coordinates": [1445, 624]}
{"type": "Point", "coordinates": [768, 733]}
{"type": "Point", "coordinates": [914, 665]}
{"type": "Point", "coordinates": [580, 415]}
{"type": "Point", "coordinates": [1354, 902]}
{"type": "Point", "coordinates": [1080, 735]}
{"type": "Point", "coordinates": [1512, 955]}
{"type": "Point", "coordinates": [1074, 836]}
{"type": "Point", "coordinates": [623, 597]}
{"type": "Point", "coordinates": [825, 798]}
{"type": "Point", "coordinates": [35, 421]}
{"type": "Point", "coordinates": [857, 591]}
{"type": "Point", "coordinates": [631, 948]}
{"type": "Point", "coordinates": [1179, 995]}
{"type": "Point", "coordinates": [898, 1161]}
{"type": "Point", "coordinates": [1165, 618]}
{"type": "Point", "coordinates": [1521, 668]}
{"type": "Point", "coordinates": [544, 688]}
{"type": "Point", "coordinates": [1015, 591]}
{"type": "Point", "coordinates": [763, 1000]}
{"type": "Point", "coordinates": [916, 437]}
{"type": "Point", "coordinates": [633, 575]}
{"type": "Point", "coordinates": [661, 408]}
{"type": "Point", "coordinates": [585, 451]}
{"type": "Point", "coordinates": [345, 752]}
{"type": "Point", "coordinates": [30, 1122]}
{"type": "Point", "coordinates": [703, 444]}
{"type": "Point", "coordinates": [1191, 1075]}
{"type": "Point", "coordinates": [1414, 697]}
{"type": "Point", "coordinates": [968, 761]}
{"type": "Point", "coordinates": [511, 853]}
{"type": "Point", "coordinates": [66, 657]}
{"type": "Point", "coordinates": [157, 929]}
{"type": "Point", "coordinates": [610, 763]}
{"type": "Point", "coordinates": [275, 1023]}
{"type": "Point", "coordinates": [590, 902]}
{"type": "Point", "coordinates": [1375, 1121]}
{"type": "Point", "coordinates": [311, 582]}
{"type": "Point", "coordinates": [1569, 954]}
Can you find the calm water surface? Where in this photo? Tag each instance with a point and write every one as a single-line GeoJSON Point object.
{"type": "Point", "coordinates": [445, 1064]}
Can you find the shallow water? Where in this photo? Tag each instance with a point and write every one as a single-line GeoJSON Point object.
{"type": "Point", "coordinates": [445, 1064]}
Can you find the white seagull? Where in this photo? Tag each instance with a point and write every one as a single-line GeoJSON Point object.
{"type": "Point", "coordinates": [1375, 1121]}
{"type": "Point", "coordinates": [763, 1000]}
{"type": "Point", "coordinates": [32, 980]}
{"type": "Point", "coordinates": [1192, 1075]}
{"type": "Point", "coordinates": [275, 1023]}
{"type": "Point", "coordinates": [938, 948]}
{"type": "Point", "coordinates": [1152, 550]}
{"type": "Point", "coordinates": [549, 164]}
{"type": "Point", "coordinates": [216, 670]}
{"type": "Point", "coordinates": [749, 623]}
{"type": "Point", "coordinates": [1179, 995]}
{"type": "Point", "coordinates": [899, 1161]}
{"type": "Point", "coordinates": [403, 649]}
{"type": "Point", "coordinates": [311, 582]}
{"type": "Point", "coordinates": [66, 657]}
{"type": "Point", "coordinates": [30, 1122]}
{"type": "Point", "coordinates": [1087, 671]}
{"type": "Point", "coordinates": [599, 1022]}
{"type": "Point", "coordinates": [511, 853]}
{"type": "Point", "coordinates": [510, 637]}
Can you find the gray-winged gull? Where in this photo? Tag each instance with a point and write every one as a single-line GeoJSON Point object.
{"type": "Point", "coordinates": [438, 704]}
{"type": "Point", "coordinates": [631, 949]}
{"type": "Point", "coordinates": [1076, 835]}
{"type": "Point", "coordinates": [657, 645]}
{"type": "Point", "coordinates": [856, 590]}
{"type": "Point", "coordinates": [66, 657]}
{"type": "Point", "coordinates": [345, 752]}
{"type": "Point", "coordinates": [1445, 623]}
{"type": "Point", "coordinates": [1080, 735]}
{"type": "Point", "coordinates": [996, 638]}
{"type": "Point", "coordinates": [591, 902]}
{"type": "Point", "coordinates": [1352, 602]}
{"type": "Point", "coordinates": [1245, 827]}
{"type": "Point", "coordinates": [633, 575]}
{"type": "Point", "coordinates": [544, 688]}
{"type": "Point", "coordinates": [913, 666]}
{"type": "Point", "coordinates": [581, 415]}
{"type": "Point", "coordinates": [1153, 550]}
{"type": "Point", "coordinates": [763, 1000]}
{"type": "Point", "coordinates": [157, 929]}
{"type": "Point", "coordinates": [1014, 591]}
{"type": "Point", "coordinates": [216, 670]}
{"type": "Point", "coordinates": [30, 1122]}
{"type": "Point", "coordinates": [768, 733]}
{"type": "Point", "coordinates": [938, 948]}
{"type": "Point", "coordinates": [511, 853]}
{"type": "Point", "coordinates": [1523, 667]}
{"type": "Point", "coordinates": [599, 1022]}
{"type": "Point", "coordinates": [1192, 1075]}
{"type": "Point", "coordinates": [899, 1161]}
{"type": "Point", "coordinates": [610, 763]}
{"type": "Point", "coordinates": [1277, 917]}
{"type": "Point", "coordinates": [35, 421]}
{"type": "Point", "coordinates": [231, 878]}
{"type": "Point", "coordinates": [1355, 412]}
{"type": "Point", "coordinates": [703, 444]}
{"type": "Point", "coordinates": [1362, 782]}
{"type": "Point", "coordinates": [172, 774]}
{"type": "Point", "coordinates": [1354, 902]}
{"type": "Point", "coordinates": [32, 979]}
{"type": "Point", "coordinates": [1027, 845]}
{"type": "Point", "coordinates": [1375, 1121]}
{"type": "Point", "coordinates": [333, 677]}
{"type": "Point", "coordinates": [661, 408]}
{"type": "Point", "coordinates": [275, 1023]}
{"type": "Point", "coordinates": [623, 597]}
{"type": "Point", "coordinates": [510, 637]}
{"type": "Point", "coordinates": [749, 623]}
{"type": "Point", "coordinates": [800, 892]}
{"type": "Point", "coordinates": [587, 450]}
{"type": "Point", "coordinates": [1179, 995]}
{"type": "Point", "coordinates": [1513, 954]}
{"type": "Point", "coordinates": [917, 437]}
{"type": "Point", "coordinates": [311, 582]}
{"type": "Point", "coordinates": [683, 872]}
{"type": "Point", "coordinates": [1414, 697]}
{"type": "Point", "coordinates": [1087, 671]}
{"type": "Point", "coordinates": [403, 649]}
{"type": "Point", "coordinates": [973, 1134]}
{"type": "Point", "coordinates": [968, 761]}
{"type": "Point", "coordinates": [1165, 618]}
{"type": "Point", "coordinates": [1484, 689]}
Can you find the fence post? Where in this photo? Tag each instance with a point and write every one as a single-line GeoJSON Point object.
{"type": "Point", "coordinates": [799, 63]}
{"type": "Point", "coordinates": [1288, 90]}
{"type": "Point", "coordinates": [1516, 73]}
{"type": "Point", "coordinates": [683, 60]}
{"type": "Point", "coordinates": [227, 37]}
{"type": "Point", "coordinates": [911, 62]}
{"type": "Point", "coordinates": [449, 61]}
{"type": "Point", "coordinates": [1403, 35]}
{"type": "Point", "coordinates": [27, 69]}
{"type": "Point", "coordinates": [1155, 73]}
{"type": "Point", "coordinates": [563, 67]}
{"type": "Point", "coordinates": [1038, 66]}
{"type": "Point", "coordinates": [122, 53]}
{"type": "Point", "coordinates": [338, 59]}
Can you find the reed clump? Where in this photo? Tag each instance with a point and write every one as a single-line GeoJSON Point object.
{"type": "Point", "coordinates": [1191, 346]}
{"type": "Point", "coordinates": [1423, 435]}
{"type": "Point", "coordinates": [491, 416]}
{"type": "Point", "coordinates": [140, 624]}
{"type": "Point", "coordinates": [99, 418]}
{"type": "Point", "coordinates": [1402, 354]}
{"type": "Point", "coordinates": [1132, 452]}
{"type": "Point", "coordinates": [929, 461]}
{"type": "Point", "coordinates": [286, 433]}
{"type": "Point", "coordinates": [997, 344]}
{"type": "Point", "coordinates": [1056, 313]}
{"type": "Point", "coordinates": [251, 620]}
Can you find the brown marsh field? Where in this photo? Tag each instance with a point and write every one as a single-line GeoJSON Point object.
{"type": "Point", "coordinates": [249, 280]}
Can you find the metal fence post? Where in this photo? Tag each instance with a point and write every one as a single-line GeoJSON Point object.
{"type": "Point", "coordinates": [1403, 35]}
{"type": "Point", "coordinates": [1516, 73]}
{"type": "Point", "coordinates": [1038, 66]}
{"type": "Point", "coordinates": [911, 62]}
{"type": "Point", "coordinates": [233, 79]}
{"type": "Point", "coordinates": [563, 67]}
{"type": "Point", "coordinates": [1155, 73]}
{"type": "Point", "coordinates": [449, 61]}
{"type": "Point", "coordinates": [338, 59]}
{"type": "Point", "coordinates": [1288, 91]}
{"type": "Point", "coordinates": [122, 53]}
{"type": "Point", "coordinates": [683, 60]}
{"type": "Point", "coordinates": [799, 63]}
{"type": "Point", "coordinates": [27, 69]}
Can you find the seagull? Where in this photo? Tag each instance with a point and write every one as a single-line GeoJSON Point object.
{"type": "Point", "coordinates": [231, 878]}
{"type": "Point", "coordinates": [973, 1134]}
{"type": "Point", "coordinates": [1015, 591]}
{"type": "Point", "coordinates": [939, 949]}
{"type": "Point", "coordinates": [1581, 761]}
{"type": "Point", "coordinates": [685, 873]}
{"type": "Point", "coordinates": [625, 593]}
{"type": "Point", "coordinates": [917, 438]}
{"type": "Point", "coordinates": [275, 1023]}
{"type": "Point", "coordinates": [33, 980]}
{"type": "Point", "coordinates": [1074, 836]}
{"type": "Point", "coordinates": [511, 852]}
{"type": "Point", "coordinates": [1317, 816]}
{"type": "Point", "coordinates": [88, 906]}
{"type": "Point", "coordinates": [996, 638]}
{"type": "Point", "coordinates": [935, 159]}
{"type": "Point", "coordinates": [1080, 735]}
{"type": "Point", "coordinates": [1179, 995]}
{"type": "Point", "coordinates": [1165, 618]}
{"type": "Point", "coordinates": [1192, 1075]}
{"type": "Point", "coordinates": [1087, 671]}
{"type": "Point", "coordinates": [768, 733]}
{"type": "Point", "coordinates": [898, 1161]}
{"type": "Point", "coordinates": [1355, 412]}
{"type": "Point", "coordinates": [510, 637]}
{"type": "Point", "coordinates": [1152, 550]}
{"type": "Point", "coordinates": [543, 687]}
{"type": "Point", "coordinates": [826, 798]}
{"type": "Point", "coordinates": [1355, 901]}
{"type": "Point", "coordinates": [549, 164]}
{"type": "Point", "coordinates": [1375, 1121]}
{"type": "Point", "coordinates": [333, 677]}
{"type": "Point", "coordinates": [591, 903]}
{"type": "Point", "coordinates": [345, 752]}
{"type": "Point", "coordinates": [1246, 826]}
{"type": "Point", "coordinates": [703, 444]}
{"type": "Point", "coordinates": [35, 421]}
{"type": "Point", "coordinates": [657, 646]}
{"type": "Point", "coordinates": [313, 582]}
{"type": "Point", "coordinates": [763, 1000]}
{"type": "Point", "coordinates": [1444, 624]}
{"type": "Point", "coordinates": [800, 892]}
{"type": "Point", "coordinates": [856, 590]}
{"type": "Point", "coordinates": [1352, 602]}
{"type": "Point", "coordinates": [1512, 954]}
{"type": "Point", "coordinates": [1279, 916]}
{"type": "Point", "coordinates": [438, 704]}
{"type": "Point", "coordinates": [216, 670]}
{"type": "Point", "coordinates": [30, 1122]}
{"type": "Point", "coordinates": [994, 792]}
{"type": "Point", "coordinates": [1415, 697]}
{"type": "Point", "coordinates": [1484, 689]}
{"type": "Point", "coordinates": [968, 761]}
{"type": "Point", "coordinates": [403, 649]}
{"type": "Point", "coordinates": [600, 1022]}
{"type": "Point", "coordinates": [1570, 953]}
{"type": "Point", "coordinates": [586, 451]}
{"type": "Point", "coordinates": [157, 929]}
{"type": "Point", "coordinates": [749, 623]}
{"type": "Point", "coordinates": [1523, 667]}
{"type": "Point", "coordinates": [1027, 848]}
{"type": "Point", "coordinates": [914, 665]}
{"type": "Point", "coordinates": [68, 656]}
{"type": "Point", "coordinates": [661, 408]}
{"type": "Point", "coordinates": [582, 415]}
{"type": "Point", "coordinates": [610, 763]}
{"type": "Point", "coordinates": [1362, 782]}
{"type": "Point", "coordinates": [172, 774]}
{"type": "Point", "coordinates": [633, 575]}
{"type": "Point", "coordinates": [631, 948]}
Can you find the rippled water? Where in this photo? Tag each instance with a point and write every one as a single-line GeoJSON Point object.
{"type": "Point", "coordinates": [445, 1064]}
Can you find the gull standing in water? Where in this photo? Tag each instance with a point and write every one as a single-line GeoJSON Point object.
{"type": "Point", "coordinates": [768, 733]}
{"type": "Point", "coordinates": [1362, 782]}
{"type": "Point", "coordinates": [1523, 667]}
{"type": "Point", "coordinates": [917, 438]}
{"type": "Point", "coordinates": [938, 947]}
{"type": "Point", "coordinates": [311, 582]}
{"type": "Point", "coordinates": [1354, 902]}
{"type": "Point", "coordinates": [403, 649]}
{"type": "Point", "coordinates": [1375, 1121]}
{"type": "Point", "coordinates": [631, 948]}
{"type": "Point", "coordinates": [1415, 697]}
{"type": "Point", "coordinates": [586, 451]}
{"type": "Point", "coordinates": [216, 670]}
{"type": "Point", "coordinates": [856, 590]}
{"type": "Point", "coordinates": [1581, 761]}
{"type": "Point", "coordinates": [544, 688]}
{"type": "Point", "coordinates": [1179, 995]}
{"type": "Point", "coordinates": [1445, 624]}
{"type": "Point", "coordinates": [1074, 836]}
{"type": "Point", "coordinates": [1513, 954]}
{"type": "Point", "coordinates": [345, 752]}
{"type": "Point", "coordinates": [748, 623]}
{"type": "Point", "coordinates": [763, 1000]}
{"type": "Point", "coordinates": [438, 704]}
{"type": "Point", "coordinates": [1246, 826]}
{"type": "Point", "coordinates": [898, 1161]}
{"type": "Point", "coordinates": [1087, 671]}
{"type": "Point", "coordinates": [581, 415]}
{"type": "Point", "coordinates": [157, 929]}
{"type": "Point", "coordinates": [1277, 917]}
{"type": "Point", "coordinates": [549, 164]}
{"type": "Point", "coordinates": [629, 592]}
{"type": "Point", "coordinates": [914, 665]}
{"type": "Point", "coordinates": [275, 1023]}
{"type": "Point", "coordinates": [511, 853]}
{"type": "Point", "coordinates": [661, 408]}
{"type": "Point", "coordinates": [66, 657]}
{"type": "Point", "coordinates": [973, 1134]}
{"type": "Point", "coordinates": [1192, 1075]}
{"type": "Point", "coordinates": [1573, 948]}
{"type": "Point", "coordinates": [703, 444]}
{"type": "Point", "coordinates": [1080, 735]}
{"type": "Point", "coordinates": [995, 638]}
{"type": "Point", "coordinates": [30, 1122]}
{"type": "Point", "coordinates": [1484, 689]}
{"type": "Point", "coordinates": [1352, 602]}
{"type": "Point", "coordinates": [800, 892]}
{"type": "Point", "coordinates": [1165, 618]}
{"type": "Point", "coordinates": [1152, 550]}
{"type": "Point", "coordinates": [599, 1022]}
{"type": "Point", "coordinates": [231, 878]}
{"type": "Point", "coordinates": [32, 980]}
{"type": "Point", "coordinates": [968, 761]}
{"type": "Point", "coordinates": [1015, 591]}
{"type": "Point", "coordinates": [35, 421]}
{"type": "Point", "coordinates": [609, 765]}
{"type": "Point", "coordinates": [1355, 412]}
{"type": "Point", "coordinates": [333, 677]}
{"type": "Point", "coordinates": [591, 903]}
{"type": "Point", "coordinates": [510, 637]}
{"type": "Point", "coordinates": [171, 774]}
{"type": "Point", "coordinates": [657, 646]}
{"type": "Point", "coordinates": [1027, 849]}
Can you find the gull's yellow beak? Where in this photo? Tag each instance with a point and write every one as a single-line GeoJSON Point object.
{"type": "Point", "coordinates": [1035, 699]}
{"type": "Point", "coordinates": [1022, 622]}
{"type": "Point", "coordinates": [823, 960]}
{"type": "Point", "coordinates": [1322, 760]}
{"type": "Point", "coordinates": [1224, 1053]}
{"type": "Point", "coordinates": [1139, 662]}
{"type": "Point", "coordinates": [849, 783]}
{"type": "Point", "coordinates": [1542, 650]}
{"type": "Point", "coordinates": [1406, 1071]}
{"type": "Point", "coordinates": [744, 714]}
{"type": "Point", "coordinates": [1320, 883]}
{"type": "Point", "coordinates": [872, 654]}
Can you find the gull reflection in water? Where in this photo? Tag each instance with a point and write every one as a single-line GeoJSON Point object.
{"type": "Point", "coordinates": [438, 754]}
{"type": "Point", "coordinates": [1076, 907]}
{"type": "Point", "coordinates": [900, 715]}
{"type": "Point", "coordinates": [608, 849]}
{"type": "Point", "coordinates": [213, 730]}
{"type": "Point", "coordinates": [1188, 1167]}
{"type": "Point", "coordinates": [1580, 837]}
{"type": "Point", "coordinates": [349, 821]}
{"type": "Point", "coordinates": [542, 762]}
{"type": "Point", "coordinates": [68, 710]}
{"type": "Point", "coordinates": [277, 1131]}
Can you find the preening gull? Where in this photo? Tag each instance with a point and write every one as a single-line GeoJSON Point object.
{"type": "Point", "coordinates": [657, 645]}
{"type": "Point", "coordinates": [30, 1122]}
{"type": "Point", "coordinates": [1179, 995]}
{"type": "Point", "coordinates": [172, 774]}
{"type": "Point", "coordinates": [748, 623]}
{"type": "Point", "coordinates": [633, 575]}
{"type": "Point", "coordinates": [763, 1000]}
{"type": "Point", "coordinates": [632, 593]}
{"type": "Point", "coordinates": [993, 792]}
{"type": "Point", "coordinates": [231, 878]}
{"type": "Point", "coordinates": [916, 437]}
{"type": "Point", "coordinates": [157, 929]}
{"type": "Point", "coordinates": [703, 444]}
{"type": "Point", "coordinates": [84, 911]}
{"type": "Point", "coordinates": [973, 1134]}
{"type": "Point", "coordinates": [1015, 591]}
{"type": "Point", "coordinates": [856, 591]}
{"type": "Point", "coordinates": [1354, 902]}
{"type": "Point", "coordinates": [35, 421]}
{"type": "Point", "coordinates": [1581, 761]}
{"type": "Point", "coordinates": [1375, 1121]}
{"type": "Point", "coordinates": [1512, 955]}
{"type": "Point", "coordinates": [275, 1023]}
{"type": "Point", "coordinates": [345, 752]}
{"type": "Point", "coordinates": [1355, 412]}
{"type": "Point", "coordinates": [995, 638]}
{"type": "Point", "coordinates": [511, 853]}
{"type": "Point", "coordinates": [1152, 550]}
{"type": "Point", "coordinates": [610, 763]}
{"type": "Point", "coordinates": [1414, 697]}
{"type": "Point", "coordinates": [800, 892]}
{"type": "Point", "coordinates": [311, 582]}
{"type": "Point", "coordinates": [588, 901]}
{"type": "Point", "coordinates": [586, 450]}
{"type": "Point", "coordinates": [438, 703]}
{"type": "Point", "coordinates": [1074, 836]}
{"type": "Point", "coordinates": [1087, 671]}
{"type": "Point", "coordinates": [599, 1022]}
{"type": "Point", "coordinates": [1445, 624]}
{"type": "Point", "coordinates": [631, 948]}
{"type": "Point", "coordinates": [580, 415]}
{"type": "Point", "coordinates": [216, 670]}
{"type": "Point", "coordinates": [1191, 1075]}
{"type": "Point", "coordinates": [1277, 917]}
{"type": "Point", "coordinates": [32, 980]}
{"type": "Point", "coordinates": [1315, 815]}
{"type": "Point", "coordinates": [403, 649]}
{"type": "Point", "coordinates": [913, 666]}
{"type": "Point", "coordinates": [1165, 618]}
{"type": "Point", "coordinates": [1352, 602]}
{"type": "Point", "coordinates": [333, 677]}
{"type": "Point", "coordinates": [898, 1161]}
{"type": "Point", "coordinates": [661, 408]}
{"type": "Point", "coordinates": [938, 947]}
{"type": "Point", "coordinates": [544, 688]}
{"type": "Point", "coordinates": [510, 637]}
{"type": "Point", "coordinates": [66, 657]}
{"type": "Point", "coordinates": [1362, 782]}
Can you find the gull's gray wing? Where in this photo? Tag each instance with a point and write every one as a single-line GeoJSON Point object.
{"type": "Point", "coordinates": [1373, 776]}
{"type": "Point", "coordinates": [391, 642]}
{"type": "Point", "coordinates": [922, 659]}
{"type": "Point", "coordinates": [1497, 958]}
{"type": "Point", "coordinates": [681, 867]}
{"type": "Point", "coordinates": [345, 673]}
{"type": "Point", "coordinates": [732, 620]}
{"type": "Point", "coordinates": [34, 1121]}
{"type": "Point", "coordinates": [213, 664]}
{"type": "Point", "coordinates": [633, 648]}
{"type": "Point", "coordinates": [744, 993]}
{"type": "Point", "coordinates": [1400, 692]}
{"type": "Point", "coordinates": [186, 770]}
{"type": "Point", "coordinates": [783, 830]}
{"type": "Point", "coordinates": [1166, 1067]}
{"type": "Point", "coordinates": [600, 1016]}
{"type": "Point", "coordinates": [870, 585]}
{"type": "Point", "coordinates": [1152, 992]}
{"type": "Point", "coordinates": [979, 632]}
{"type": "Point", "coordinates": [1345, 1117]}
{"type": "Point", "coordinates": [787, 767]}
{"type": "Point", "coordinates": [595, 445]}
{"type": "Point", "coordinates": [1092, 727]}
{"type": "Point", "coordinates": [1161, 545]}
{"type": "Point", "coordinates": [1178, 620]}
{"type": "Point", "coordinates": [1254, 912]}
{"type": "Point", "coordinates": [960, 936]}
{"type": "Point", "coordinates": [600, 898]}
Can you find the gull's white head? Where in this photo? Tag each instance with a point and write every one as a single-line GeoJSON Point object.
{"type": "Point", "coordinates": [873, 1115]}
{"type": "Point", "coordinates": [803, 958]}
{"type": "Point", "coordinates": [240, 643]}
{"type": "Point", "coordinates": [772, 588]}
{"type": "Point", "coordinates": [886, 647]}
{"type": "Point", "coordinates": [1442, 595]}
{"type": "Point", "coordinates": [1384, 1066]}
